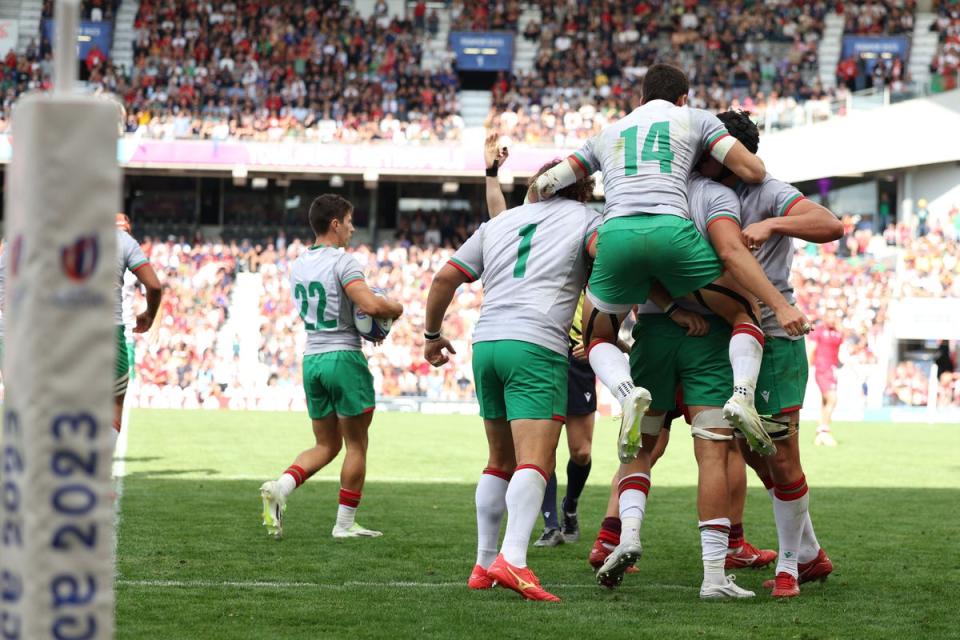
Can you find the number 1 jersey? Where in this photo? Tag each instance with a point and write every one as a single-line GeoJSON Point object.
{"type": "Point", "coordinates": [318, 282]}
{"type": "Point", "coordinates": [646, 158]}
{"type": "Point", "coordinates": [533, 263]}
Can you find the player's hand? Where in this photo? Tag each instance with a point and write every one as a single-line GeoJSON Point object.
{"type": "Point", "coordinates": [492, 152]}
{"type": "Point", "coordinates": [144, 322]}
{"type": "Point", "coordinates": [756, 234]}
{"type": "Point", "coordinates": [792, 320]}
{"type": "Point", "coordinates": [694, 323]}
{"type": "Point", "coordinates": [533, 195]}
{"type": "Point", "coordinates": [433, 351]}
{"type": "Point", "coordinates": [580, 353]}
{"type": "Point", "coordinates": [396, 310]}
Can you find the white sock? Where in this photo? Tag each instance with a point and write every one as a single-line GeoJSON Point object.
{"type": "Point", "coordinates": [714, 537]}
{"type": "Point", "coordinates": [809, 546]}
{"type": "Point", "coordinates": [633, 504]}
{"type": "Point", "coordinates": [824, 428]}
{"type": "Point", "coordinates": [491, 505]}
{"type": "Point", "coordinates": [346, 516]}
{"type": "Point", "coordinates": [286, 483]}
{"type": "Point", "coordinates": [612, 367]}
{"type": "Point", "coordinates": [746, 354]}
{"type": "Point", "coordinates": [790, 507]}
{"type": "Point", "coordinates": [524, 497]}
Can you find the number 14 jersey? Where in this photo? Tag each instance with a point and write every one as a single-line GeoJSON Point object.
{"type": "Point", "coordinates": [533, 262]}
{"type": "Point", "coordinates": [318, 282]}
{"type": "Point", "coordinates": [646, 158]}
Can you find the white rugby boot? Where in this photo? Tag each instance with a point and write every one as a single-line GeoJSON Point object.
{"type": "Point", "coordinates": [274, 504]}
{"type": "Point", "coordinates": [741, 413]}
{"type": "Point", "coordinates": [724, 591]}
{"type": "Point", "coordinates": [634, 406]}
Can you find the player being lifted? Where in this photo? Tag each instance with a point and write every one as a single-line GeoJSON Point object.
{"type": "Point", "coordinates": [533, 263]}
{"type": "Point", "coordinates": [646, 159]}
{"type": "Point", "coordinates": [327, 283]}
{"type": "Point", "coordinates": [774, 212]}
{"type": "Point", "coordinates": [581, 395]}
{"type": "Point", "coordinates": [130, 257]}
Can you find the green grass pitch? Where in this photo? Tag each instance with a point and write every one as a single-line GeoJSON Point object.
{"type": "Point", "coordinates": [194, 562]}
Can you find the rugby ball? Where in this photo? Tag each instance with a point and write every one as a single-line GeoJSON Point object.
{"type": "Point", "coordinates": [371, 328]}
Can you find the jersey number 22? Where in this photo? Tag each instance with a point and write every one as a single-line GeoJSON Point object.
{"type": "Point", "coordinates": [305, 295]}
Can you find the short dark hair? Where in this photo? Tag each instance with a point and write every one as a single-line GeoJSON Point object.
{"type": "Point", "coordinates": [665, 82]}
{"type": "Point", "coordinates": [325, 209]}
{"type": "Point", "coordinates": [581, 190]}
{"type": "Point", "coordinates": [741, 127]}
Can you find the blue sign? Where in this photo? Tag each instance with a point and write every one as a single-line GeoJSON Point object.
{"type": "Point", "coordinates": [482, 51]}
{"type": "Point", "coordinates": [99, 34]}
{"type": "Point", "coordinates": [876, 46]}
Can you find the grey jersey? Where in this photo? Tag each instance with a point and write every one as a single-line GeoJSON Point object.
{"type": "Point", "coordinates": [709, 202]}
{"type": "Point", "coordinates": [128, 294]}
{"type": "Point", "coordinates": [771, 199]}
{"type": "Point", "coordinates": [646, 158]}
{"type": "Point", "coordinates": [3, 289]}
{"type": "Point", "coordinates": [533, 263]}
{"type": "Point", "coordinates": [130, 257]}
{"type": "Point", "coordinates": [318, 279]}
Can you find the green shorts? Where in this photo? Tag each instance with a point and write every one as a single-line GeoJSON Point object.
{"type": "Point", "coordinates": [338, 381]}
{"type": "Point", "coordinates": [633, 251]}
{"type": "Point", "coordinates": [131, 359]}
{"type": "Point", "coordinates": [121, 369]}
{"type": "Point", "coordinates": [519, 381]}
{"type": "Point", "coordinates": [783, 376]}
{"type": "Point", "coordinates": [664, 358]}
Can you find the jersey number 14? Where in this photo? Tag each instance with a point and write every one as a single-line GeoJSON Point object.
{"type": "Point", "coordinates": [656, 147]}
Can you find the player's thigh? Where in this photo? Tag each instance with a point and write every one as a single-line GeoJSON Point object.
{"type": "Point", "coordinates": [782, 382]}
{"type": "Point", "coordinates": [712, 435]}
{"type": "Point", "coordinates": [326, 431]}
{"type": "Point", "coordinates": [727, 298]}
{"type": "Point", "coordinates": [488, 382]}
{"type": "Point", "coordinates": [581, 407]}
{"type": "Point", "coordinates": [580, 437]}
{"type": "Point", "coordinates": [534, 381]}
{"type": "Point", "coordinates": [703, 366]}
{"type": "Point", "coordinates": [653, 359]}
{"type": "Point", "coordinates": [355, 431]}
{"type": "Point", "coordinates": [347, 375]}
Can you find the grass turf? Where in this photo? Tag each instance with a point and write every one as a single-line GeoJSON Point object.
{"type": "Point", "coordinates": [194, 561]}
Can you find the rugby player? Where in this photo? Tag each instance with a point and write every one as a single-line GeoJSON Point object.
{"type": "Point", "coordinates": [533, 262]}
{"type": "Point", "coordinates": [128, 294]}
{"type": "Point", "coordinates": [676, 347]}
{"type": "Point", "coordinates": [646, 159]}
{"type": "Point", "coordinates": [327, 283]}
{"type": "Point", "coordinates": [827, 340]}
{"type": "Point", "coordinates": [581, 394]}
{"type": "Point", "coordinates": [774, 212]}
{"type": "Point", "coordinates": [130, 257]}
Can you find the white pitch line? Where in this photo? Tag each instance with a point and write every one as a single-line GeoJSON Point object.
{"type": "Point", "coordinates": [208, 584]}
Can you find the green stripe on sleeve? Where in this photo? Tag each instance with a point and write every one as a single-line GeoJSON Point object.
{"type": "Point", "coordinates": [352, 278]}
{"type": "Point", "coordinates": [723, 214]}
{"type": "Point", "coordinates": [465, 267]}
{"type": "Point", "coordinates": [792, 201]}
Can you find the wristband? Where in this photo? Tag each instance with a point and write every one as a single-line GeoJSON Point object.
{"type": "Point", "coordinates": [671, 309]}
{"type": "Point", "coordinates": [430, 336]}
{"type": "Point", "coordinates": [492, 171]}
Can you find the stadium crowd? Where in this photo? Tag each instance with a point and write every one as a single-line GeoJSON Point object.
{"type": "Point", "coordinates": [193, 358]}
{"type": "Point", "coordinates": [945, 64]}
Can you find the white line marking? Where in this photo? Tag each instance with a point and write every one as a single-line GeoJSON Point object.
{"type": "Point", "coordinates": [255, 584]}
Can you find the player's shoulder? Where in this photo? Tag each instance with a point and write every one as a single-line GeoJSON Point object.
{"type": "Point", "coordinates": [708, 188]}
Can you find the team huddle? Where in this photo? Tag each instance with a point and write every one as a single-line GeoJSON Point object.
{"type": "Point", "coordinates": [695, 239]}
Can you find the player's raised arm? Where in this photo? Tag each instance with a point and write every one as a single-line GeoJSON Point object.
{"type": "Point", "coordinates": [494, 156]}
{"type": "Point", "coordinates": [803, 219]}
{"type": "Point", "coordinates": [575, 168]}
{"type": "Point", "coordinates": [370, 303]}
{"type": "Point", "coordinates": [728, 150]}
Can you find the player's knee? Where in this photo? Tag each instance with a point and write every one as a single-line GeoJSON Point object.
{"type": "Point", "coordinates": [580, 454]}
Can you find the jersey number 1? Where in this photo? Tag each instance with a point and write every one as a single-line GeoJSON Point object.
{"type": "Point", "coordinates": [523, 252]}
{"type": "Point", "coordinates": [304, 294]}
{"type": "Point", "coordinates": [656, 148]}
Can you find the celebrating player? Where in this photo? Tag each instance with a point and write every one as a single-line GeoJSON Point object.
{"type": "Point", "coordinates": [533, 262]}
{"type": "Point", "coordinates": [336, 378]}
{"type": "Point", "coordinates": [581, 395]}
{"type": "Point", "coordinates": [827, 341]}
{"type": "Point", "coordinates": [774, 212]}
{"type": "Point", "coordinates": [130, 257]}
{"type": "Point", "coordinates": [128, 294]}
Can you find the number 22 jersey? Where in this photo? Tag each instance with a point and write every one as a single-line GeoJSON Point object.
{"type": "Point", "coordinates": [318, 281]}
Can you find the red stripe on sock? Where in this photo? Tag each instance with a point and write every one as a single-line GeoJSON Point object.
{"type": "Point", "coordinates": [350, 498]}
{"type": "Point", "coordinates": [736, 535]}
{"type": "Point", "coordinates": [546, 476]}
{"type": "Point", "coordinates": [792, 491]}
{"type": "Point", "coordinates": [635, 483]}
{"type": "Point", "coordinates": [610, 537]}
{"type": "Point", "coordinates": [503, 475]}
{"type": "Point", "coordinates": [592, 344]}
{"type": "Point", "coordinates": [750, 330]}
{"type": "Point", "coordinates": [298, 473]}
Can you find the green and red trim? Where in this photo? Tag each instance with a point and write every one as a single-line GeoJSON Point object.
{"type": "Point", "coordinates": [723, 215]}
{"type": "Point", "coordinates": [580, 160]}
{"type": "Point", "coordinates": [354, 278]}
{"type": "Point", "coordinates": [714, 139]}
{"type": "Point", "coordinates": [139, 265]}
{"type": "Point", "coordinates": [785, 210]}
{"type": "Point", "coordinates": [463, 268]}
